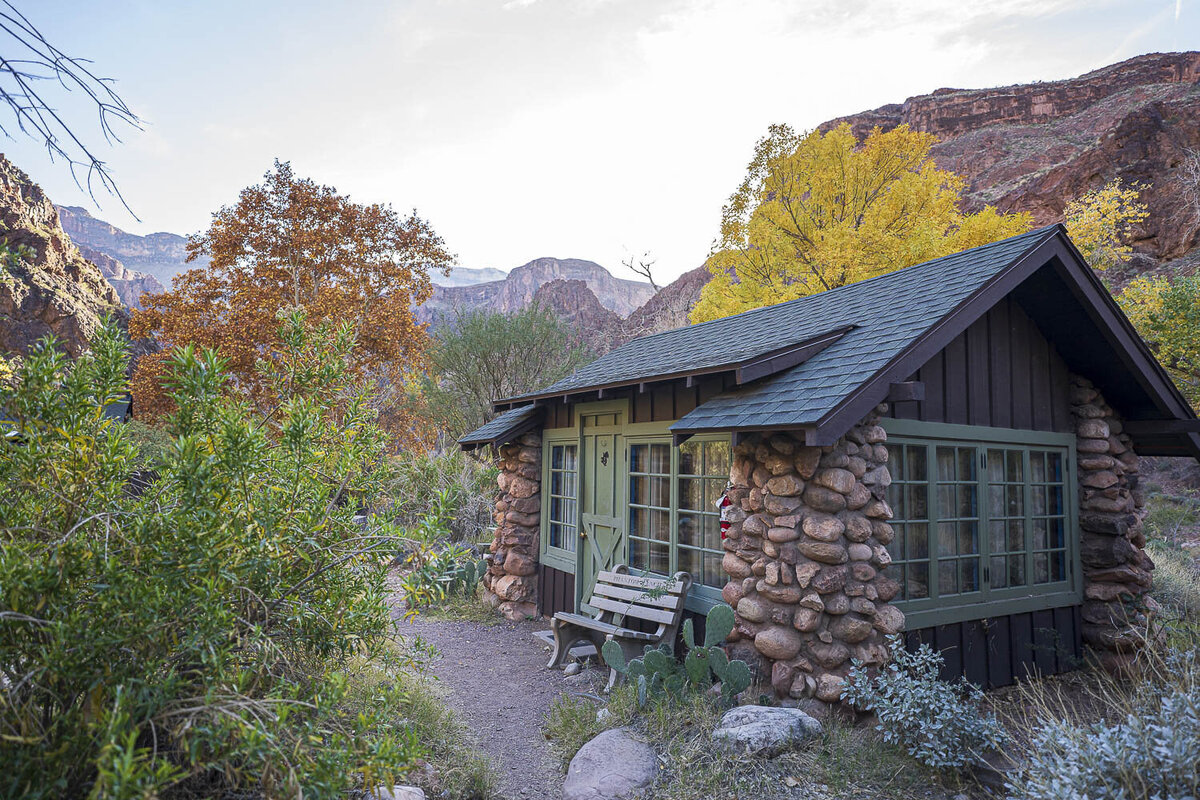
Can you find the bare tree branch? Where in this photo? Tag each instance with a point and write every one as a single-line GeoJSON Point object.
{"type": "Point", "coordinates": [29, 60]}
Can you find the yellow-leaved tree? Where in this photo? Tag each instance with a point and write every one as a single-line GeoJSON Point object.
{"type": "Point", "coordinates": [817, 211]}
{"type": "Point", "coordinates": [1099, 222]}
{"type": "Point", "coordinates": [1166, 312]}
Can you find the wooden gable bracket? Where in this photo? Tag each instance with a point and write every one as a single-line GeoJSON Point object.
{"type": "Point", "coordinates": [905, 391]}
{"type": "Point", "coordinates": [1156, 427]}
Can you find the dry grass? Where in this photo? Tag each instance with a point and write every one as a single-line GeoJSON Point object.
{"type": "Point", "coordinates": [463, 608]}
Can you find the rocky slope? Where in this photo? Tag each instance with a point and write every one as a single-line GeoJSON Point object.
{"type": "Point", "coordinates": [160, 255]}
{"type": "Point", "coordinates": [519, 286]}
{"type": "Point", "coordinates": [1034, 147]}
{"type": "Point", "coordinates": [574, 302]}
{"type": "Point", "coordinates": [130, 285]}
{"type": "Point", "coordinates": [49, 288]}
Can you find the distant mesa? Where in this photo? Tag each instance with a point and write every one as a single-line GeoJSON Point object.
{"type": "Point", "coordinates": [159, 255]}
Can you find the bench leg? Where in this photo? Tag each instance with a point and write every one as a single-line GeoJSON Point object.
{"type": "Point", "coordinates": [563, 633]}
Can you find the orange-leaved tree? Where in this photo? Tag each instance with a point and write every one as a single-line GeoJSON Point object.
{"type": "Point", "coordinates": [290, 242]}
{"type": "Point", "coordinates": [818, 211]}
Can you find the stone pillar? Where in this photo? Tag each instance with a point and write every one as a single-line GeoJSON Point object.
{"type": "Point", "coordinates": [510, 585]}
{"type": "Point", "coordinates": [805, 556]}
{"type": "Point", "coordinates": [1116, 570]}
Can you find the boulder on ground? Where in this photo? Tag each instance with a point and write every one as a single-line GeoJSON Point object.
{"type": "Point", "coordinates": [398, 793]}
{"type": "Point", "coordinates": [611, 766]}
{"type": "Point", "coordinates": [764, 731]}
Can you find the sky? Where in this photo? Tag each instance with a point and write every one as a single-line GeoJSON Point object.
{"type": "Point", "coordinates": [596, 129]}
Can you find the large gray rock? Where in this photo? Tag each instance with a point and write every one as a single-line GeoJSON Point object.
{"type": "Point", "coordinates": [399, 792]}
{"type": "Point", "coordinates": [613, 765]}
{"type": "Point", "coordinates": [764, 730]}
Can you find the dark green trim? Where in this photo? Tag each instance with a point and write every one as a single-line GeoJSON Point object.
{"type": "Point", "coordinates": [967, 434]}
{"type": "Point", "coordinates": [559, 558]}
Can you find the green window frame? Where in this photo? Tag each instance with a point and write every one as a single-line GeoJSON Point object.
{"type": "Point", "coordinates": [985, 521]}
{"type": "Point", "coordinates": [672, 522]}
{"type": "Point", "coordinates": [560, 508]}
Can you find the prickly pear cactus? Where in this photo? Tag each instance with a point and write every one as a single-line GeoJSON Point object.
{"type": "Point", "coordinates": [718, 625]}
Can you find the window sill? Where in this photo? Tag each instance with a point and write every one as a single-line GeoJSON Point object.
{"type": "Point", "coordinates": [970, 611]}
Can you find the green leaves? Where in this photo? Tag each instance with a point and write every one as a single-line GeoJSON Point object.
{"type": "Point", "coordinates": [215, 621]}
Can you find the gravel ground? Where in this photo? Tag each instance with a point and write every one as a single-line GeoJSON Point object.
{"type": "Point", "coordinates": [499, 685]}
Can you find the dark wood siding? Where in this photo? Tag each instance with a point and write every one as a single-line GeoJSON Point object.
{"type": "Point", "coordinates": [1000, 372]}
{"type": "Point", "coordinates": [998, 651]}
{"type": "Point", "coordinates": [556, 591]}
{"type": "Point", "coordinates": [559, 414]}
{"type": "Point", "coordinates": [671, 400]}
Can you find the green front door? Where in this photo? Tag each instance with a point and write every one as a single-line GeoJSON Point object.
{"type": "Point", "coordinates": [602, 521]}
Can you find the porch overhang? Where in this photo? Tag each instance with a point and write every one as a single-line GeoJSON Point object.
{"type": "Point", "coordinates": [505, 428]}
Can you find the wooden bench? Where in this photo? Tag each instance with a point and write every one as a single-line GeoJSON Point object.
{"type": "Point", "coordinates": [618, 598]}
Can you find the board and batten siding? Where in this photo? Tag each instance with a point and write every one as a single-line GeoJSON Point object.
{"type": "Point", "coordinates": [1001, 372]}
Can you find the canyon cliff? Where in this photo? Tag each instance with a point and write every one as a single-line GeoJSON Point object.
{"type": "Point", "coordinates": [47, 287]}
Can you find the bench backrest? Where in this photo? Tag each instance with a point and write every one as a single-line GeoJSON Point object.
{"type": "Point", "coordinates": [648, 598]}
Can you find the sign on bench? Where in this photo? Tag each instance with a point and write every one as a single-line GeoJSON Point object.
{"type": "Point", "coordinates": [620, 598]}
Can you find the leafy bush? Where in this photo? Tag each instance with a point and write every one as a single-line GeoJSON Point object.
{"type": "Point", "coordinates": [461, 487]}
{"type": "Point", "coordinates": [1146, 756]}
{"type": "Point", "coordinates": [940, 724]}
{"type": "Point", "coordinates": [199, 640]}
{"type": "Point", "coordinates": [152, 445]}
{"type": "Point", "coordinates": [1176, 581]}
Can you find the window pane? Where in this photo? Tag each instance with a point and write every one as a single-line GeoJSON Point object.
{"type": "Point", "coordinates": [1014, 471]}
{"type": "Point", "coordinates": [690, 529]}
{"type": "Point", "coordinates": [917, 534]}
{"type": "Point", "coordinates": [638, 558]}
{"type": "Point", "coordinates": [690, 455]}
{"type": "Point", "coordinates": [918, 581]}
{"type": "Point", "coordinates": [660, 525]}
{"type": "Point", "coordinates": [660, 459]}
{"type": "Point", "coordinates": [1058, 566]}
{"type": "Point", "coordinates": [917, 502]}
{"type": "Point", "coordinates": [966, 464]}
{"type": "Point", "coordinates": [968, 537]}
{"type": "Point", "coordinates": [1054, 502]}
{"type": "Point", "coordinates": [690, 562]}
{"type": "Point", "coordinates": [996, 500]}
{"type": "Point", "coordinates": [691, 494]}
{"type": "Point", "coordinates": [946, 539]}
{"type": "Point", "coordinates": [712, 570]}
{"type": "Point", "coordinates": [914, 465]}
{"type": "Point", "coordinates": [1041, 568]}
{"type": "Point", "coordinates": [639, 490]}
{"type": "Point", "coordinates": [713, 489]}
{"type": "Point", "coordinates": [1057, 533]}
{"type": "Point", "coordinates": [1038, 494]}
{"type": "Point", "coordinates": [945, 502]}
{"type": "Point", "coordinates": [1016, 535]}
{"type": "Point", "coordinates": [1039, 534]}
{"type": "Point", "coordinates": [556, 456]}
{"type": "Point", "coordinates": [660, 558]}
{"type": "Point", "coordinates": [712, 532]}
{"type": "Point", "coordinates": [995, 466]}
{"type": "Point", "coordinates": [966, 501]}
{"type": "Point", "coordinates": [945, 464]}
{"type": "Point", "coordinates": [639, 522]}
{"type": "Point", "coordinates": [1016, 570]}
{"type": "Point", "coordinates": [947, 577]}
{"type": "Point", "coordinates": [660, 492]}
{"type": "Point", "coordinates": [716, 458]}
{"type": "Point", "coordinates": [968, 575]}
{"type": "Point", "coordinates": [1054, 467]}
{"type": "Point", "coordinates": [1037, 466]}
{"type": "Point", "coordinates": [999, 573]}
{"type": "Point", "coordinates": [998, 539]}
{"type": "Point", "coordinates": [1016, 501]}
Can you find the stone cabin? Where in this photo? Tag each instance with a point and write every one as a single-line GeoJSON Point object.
{"type": "Point", "coordinates": [949, 451]}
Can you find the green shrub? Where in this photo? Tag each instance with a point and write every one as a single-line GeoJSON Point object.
{"type": "Point", "coordinates": [1153, 752]}
{"type": "Point", "coordinates": [940, 724]}
{"type": "Point", "coordinates": [1167, 518]}
{"type": "Point", "coordinates": [199, 640]}
{"type": "Point", "coordinates": [151, 445]}
{"type": "Point", "coordinates": [463, 489]}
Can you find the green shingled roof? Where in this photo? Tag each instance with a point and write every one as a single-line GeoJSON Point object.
{"type": "Point", "coordinates": [889, 312]}
{"type": "Point", "coordinates": [501, 427]}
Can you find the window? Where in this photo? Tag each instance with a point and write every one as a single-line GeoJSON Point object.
{"type": "Point", "coordinates": [564, 481]}
{"type": "Point", "coordinates": [982, 527]}
{"type": "Point", "coordinates": [703, 473]}
{"type": "Point", "coordinates": [650, 507]}
{"type": "Point", "coordinates": [673, 522]}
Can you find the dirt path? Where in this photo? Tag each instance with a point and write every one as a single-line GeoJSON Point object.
{"type": "Point", "coordinates": [499, 684]}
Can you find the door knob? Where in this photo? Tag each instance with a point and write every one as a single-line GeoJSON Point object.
{"type": "Point", "coordinates": [582, 533]}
